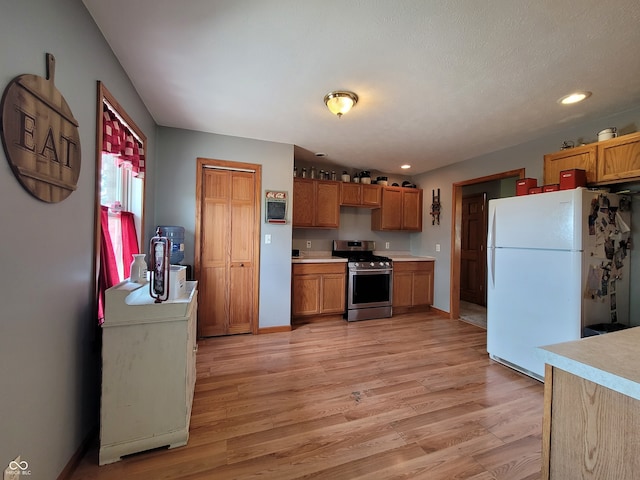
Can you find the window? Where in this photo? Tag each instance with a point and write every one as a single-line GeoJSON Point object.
{"type": "Point", "coordinates": [119, 193]}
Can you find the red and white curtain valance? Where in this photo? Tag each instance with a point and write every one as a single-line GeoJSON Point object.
{"type": "Point", "coordinates": [117, 140]}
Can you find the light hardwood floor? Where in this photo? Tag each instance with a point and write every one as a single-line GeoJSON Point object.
{"type": "Point", "coordinates": [414, 396]}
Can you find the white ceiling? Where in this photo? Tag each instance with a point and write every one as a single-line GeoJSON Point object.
{"type": "Point", "coordinates": [439, 81]}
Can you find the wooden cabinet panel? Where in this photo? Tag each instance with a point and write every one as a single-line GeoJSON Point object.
{"type": "Point", "coordinates": [318, 288]}
{"type": "Point", "coordinates": [360, 195]}
{"type": "Point", "coordinates": [316, 203]}
{"type": "Point", "coordinates": [412, 284]}
{"type": "Point", "coordinates": [402, 288]}
{"type": "Point", "coordinates": [306, 295]}
{"type": "Point", "coordinates": [619, 159]}
{"type": "Point", "coordinates": [327, 204]}
{"type": "Point", "coordinates": [590, 431]}
{"type": "Point", "coordinates": [389, 215]}
{"type": "Point", "coordinates": [371, 195]}
{"type": "Point", "coordinates": [412, 209]}
{"type": "Point", "coordinates": [582, 158]}
{"type": "Point", "coordinates": [303, 202]}
{"type": "Point", "coordinates": [333, 293]}
{"type": "Point", "coordinates": [350, 194]}
{"type": "Point", "coordinates": [400, 209]}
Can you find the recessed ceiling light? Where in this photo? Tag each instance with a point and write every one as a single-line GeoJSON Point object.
{"type": "Point", "coordinates": [405, 166]}
{"type": "Point", "coordinates": [574, 97]}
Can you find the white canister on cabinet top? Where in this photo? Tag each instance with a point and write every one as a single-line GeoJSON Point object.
{"type": "Point", "coordinates": [607, 134]}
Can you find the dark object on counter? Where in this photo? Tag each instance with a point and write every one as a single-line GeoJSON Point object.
{"type": "Point", "coordinates": [408, 184]}
{"type": "Point", "coordinates": [394, 184]}
{"type": "Point", "coordinates": [295, 252]}
{"type": "Point", "coordinates": [602, 328]}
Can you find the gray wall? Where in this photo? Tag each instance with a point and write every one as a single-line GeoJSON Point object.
{"type": "Point", "coordinates": [48, 352]}
{"type": "Point", "coordinates": [176, 203]}
{"type": "Point", "coordinates": [527, 155]}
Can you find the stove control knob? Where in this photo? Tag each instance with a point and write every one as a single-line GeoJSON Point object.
{"type": "Point", "coordinates": [356, 264]}
{"type": "Point", "coordinates": [387, 263]}
{"type": "Point", "coordinates": [372, 264]}
{"type": "Point", "coordinates": [382, 264]}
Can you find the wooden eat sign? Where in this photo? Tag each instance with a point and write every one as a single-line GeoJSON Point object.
{"type": "Point", "coordinates": [40, 136]}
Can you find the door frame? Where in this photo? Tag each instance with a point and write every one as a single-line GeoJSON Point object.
{"type": "Point", "coordinates": [203, 163]}
{"type": "Point", "coordinates": [456, 234]}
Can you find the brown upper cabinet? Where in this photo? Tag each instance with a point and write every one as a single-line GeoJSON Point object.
{"type": "Point", "coordinates": [609, 161]}
{"type": "Point", "coordinates": [400, 209]}
{"type": "Point", "coordinates": [619, 159]}
{"type": "Point", "coordinates": [360, 195]}
{"type": "Point", "coordinates": [316, 203]}
{"type": "Point", "coordinates": [582, 158]}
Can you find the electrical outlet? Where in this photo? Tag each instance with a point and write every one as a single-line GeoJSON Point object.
{"type": "Point", "coordinates": [267, 238]}
{"type": "Point", "coordinates": [437, 247]}
{"type": "Point", "coordinates": [308, 243]}
{"type": "Point", "coordinates": [386, 245]}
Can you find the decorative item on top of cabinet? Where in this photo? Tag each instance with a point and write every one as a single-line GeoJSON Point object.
{"type": "Point", "coordinates": [400, 209]}
{"type": "Point", "coordinates": [316, 203]}
{"type": "Point", "coordinates": [318, 289]}
{"type": "Point", "coordinates": [412, 286]}
{"type": "Point", "coordinates": [360, 195]}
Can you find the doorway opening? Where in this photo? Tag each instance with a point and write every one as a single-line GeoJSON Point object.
{"type": "Point", "coordinates": [496, 186]}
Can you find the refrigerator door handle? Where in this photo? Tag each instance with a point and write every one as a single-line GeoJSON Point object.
{"type": "Point", "coordinates": [491, 235]}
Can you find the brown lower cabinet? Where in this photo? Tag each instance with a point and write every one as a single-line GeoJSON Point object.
{"type": "Point", "coordinates": [318, 288]}
{"type": "Point", "coordinates": [589, 431]}
{"type": "Point", "coordinates": [412, 286]}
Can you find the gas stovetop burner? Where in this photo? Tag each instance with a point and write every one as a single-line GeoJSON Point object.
{"type": "Point", "coordinates": [368, 258]}
{"type": "Point", "coordinates": [360, 255]}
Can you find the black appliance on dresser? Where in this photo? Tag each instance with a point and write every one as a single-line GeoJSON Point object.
{"type": "Point", "coordinates": [369, 280]}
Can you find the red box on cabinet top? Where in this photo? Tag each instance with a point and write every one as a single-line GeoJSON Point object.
{"type": "Point", "coordinates": [551, 188]}
{"type": "Point", "coordinates": [534, 190]}
{"type": "Point", "coordinates": [524, 184]}
{"type": "Point", "coordinates": [570, 179]}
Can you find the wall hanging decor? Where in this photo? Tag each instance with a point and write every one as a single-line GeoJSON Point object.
{"type": "Point", "coordinates": [40, 136]}
{"type": "Point", "coordinates": [435, 207]}
{"type": "Point", "coordinates": [276, 207]}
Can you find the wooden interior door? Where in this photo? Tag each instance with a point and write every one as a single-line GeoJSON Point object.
{"type": "Point", "coordinates": [473, 281]}
{"type": "Point", "coordinates": [227, 242]}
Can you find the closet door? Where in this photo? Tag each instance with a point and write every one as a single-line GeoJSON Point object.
{"type": "Point", "coordinates": [227, 240]}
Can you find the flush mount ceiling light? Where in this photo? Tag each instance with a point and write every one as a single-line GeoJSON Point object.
{"type": "Point", "coordinates": [574, 97]}
{"type": "Point", "coordinates": [405, 166]}
{"type": "Point", "coordinates": [340, 102]}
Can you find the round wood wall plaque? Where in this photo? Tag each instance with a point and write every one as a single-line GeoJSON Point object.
{"type": "Point", "coordinates": [40, 136]}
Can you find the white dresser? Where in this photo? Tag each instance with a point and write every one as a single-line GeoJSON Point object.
{"type": "Point", "coordinates": [148, 370]}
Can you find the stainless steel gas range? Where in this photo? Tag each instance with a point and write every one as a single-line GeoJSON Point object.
{"type": "Point", "coordinates": [369, 282]}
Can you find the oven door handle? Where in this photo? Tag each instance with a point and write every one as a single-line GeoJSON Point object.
{"type": "Point", "coordinates": [364, 272]}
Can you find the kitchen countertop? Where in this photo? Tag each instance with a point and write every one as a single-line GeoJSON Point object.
{"type": "Point", "coordinates": [317, 258]}
{"type": "Point", "coordinates": [326, 257]}
{"type": "Point", "coordinates": [410, 258]}
{"type": "Point", "coordinates": [610, 360]}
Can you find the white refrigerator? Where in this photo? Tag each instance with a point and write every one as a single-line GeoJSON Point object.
{"type": "Point", "coordinates": [557, 262]}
